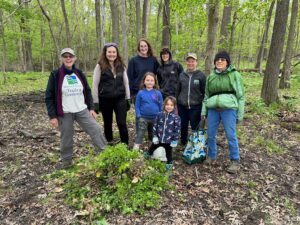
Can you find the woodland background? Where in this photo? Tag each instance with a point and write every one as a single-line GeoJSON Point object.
{"type": "Point", "coordinates": [263, 40]}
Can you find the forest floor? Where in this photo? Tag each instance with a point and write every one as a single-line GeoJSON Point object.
{"type": "Point", "coordinates": [265, 191]}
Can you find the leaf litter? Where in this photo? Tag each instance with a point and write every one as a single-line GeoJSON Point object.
{"type": "Point", "coordinates": [265, 191]}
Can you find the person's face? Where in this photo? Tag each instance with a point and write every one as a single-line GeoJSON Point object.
{"type": "Point", "coordinates": [111, 53]}
{"type": "Point", "coordinates": [68, 60]}
{"type": "Point", "coordinates": [169, 107]}
{"type": "Point", "coordinates": [221, 64]}
{"type": "Point", "coordinates": [191, 64]}
{"type": "Point", "coordinates": [149, 82]}
{"type": "Point", "coordinates": [165, 57]}
{"type": "Point", "coordinates": [143, 48]}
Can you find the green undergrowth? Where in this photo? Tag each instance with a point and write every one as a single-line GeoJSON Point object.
{"type": "Point", "coordinates": [289, 99]}
{"type": "Point", "coordinates": [116, 179]}
{"type": "Point", "coordinates": [22, 83]}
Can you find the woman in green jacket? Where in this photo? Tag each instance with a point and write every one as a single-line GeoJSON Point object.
{"type": "Point", "coordinates": [224, 102]}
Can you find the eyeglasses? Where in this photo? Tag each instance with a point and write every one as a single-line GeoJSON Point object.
{"type": "Point", "coordinates": [110, 44]}
{"type": "Point", "coordinates": [68, 56]}
{"type": "Point", "coordinates": [221, 59]}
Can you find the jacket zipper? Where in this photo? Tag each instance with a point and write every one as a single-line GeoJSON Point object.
{"type": "Point", "coordinates": [189, 91]}
{"type": "Point", "coordinates": [163, 136]}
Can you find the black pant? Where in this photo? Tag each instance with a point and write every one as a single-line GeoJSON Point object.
{"type": "Point", "coordinates": [119, 106]}
{"type": "Point", "coordinates": [167, 147]}
{"type": "Point", "coordinates": [192, 116]}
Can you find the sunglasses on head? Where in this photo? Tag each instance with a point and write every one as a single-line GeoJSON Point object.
{"type": "Point", "coordinates": [110, 44]}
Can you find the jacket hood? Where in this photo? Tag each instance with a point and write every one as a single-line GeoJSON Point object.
{"type": "Point", "coordinates": [163, 51]}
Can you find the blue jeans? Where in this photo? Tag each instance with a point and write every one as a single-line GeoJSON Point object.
{"type": "Point", "coordinates": [192, 115]}
{"type": "Point", "coordinates": [144, 124]}
{"type": "Point", "coordinates": [228, 118]}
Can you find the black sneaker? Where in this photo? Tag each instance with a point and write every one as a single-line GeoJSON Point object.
{"type": "Point", "coordinates": [64, 165]}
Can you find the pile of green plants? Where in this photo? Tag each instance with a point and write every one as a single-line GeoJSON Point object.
{"type": "Point", "coordinates": [116, 179]}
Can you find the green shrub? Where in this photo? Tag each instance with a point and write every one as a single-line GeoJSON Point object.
{"type": "Point", "coordinates": [115, 179]}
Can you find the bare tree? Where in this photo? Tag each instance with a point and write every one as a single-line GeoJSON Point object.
{"type": "Point", "coordinates": [226, 19]}
{"type": "Point", "coordinates": [264, 38]}
{"type": "Point", "coordinates": [138, 18]}
{"type": "Point", "coordinates": [26, 42]}
{"type": "Point", "coordinates": [146, 7]}
{"type": "Point", "coordinates": [4, 53]}
{"type": "Point", "coordinates": [212, 16]}
{"type": "Point", "coordinates": [50, 28]}
{"type": "Point", "coordinates": [114, 8]}
{"type": "Point", "coordinates": [166, 34]}
{"type": "Point", "coordinates": [232, 31]}
{"type": "Point", "coordinates": [269, 92]}
{"type": "Point", "coordinates": [286, 72]}
{"type": "Point", "coordinates": [68, 33]}
{"type": "Point", "coordinates": [103, 20]}
{"type": "Point", "coordinates": [160, 5]}
{"type": "Point", "coordinates": [98, 24]}
{"type": "Point", "coordinates": [124, 31]}
{"type": "Point", "coordinates": [43, 37]}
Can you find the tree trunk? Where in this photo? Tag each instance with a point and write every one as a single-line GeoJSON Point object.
{"type": "Point", "coordinates": [166, 34]}
{"type": "Point", "coordinates": [213, 14]}
{"type": "Point", "coordinates": [26, 42]}
{"type": "Point", "coordinates": [103, 19]}
{"type": "Point", "coordinates": [264, 38]}
{"type": "Point", "coordinates": [4, 56]}
{"type": "Point", "coordinates": [51, 30]}
{"type": "Point", "coordinates": [43, 37]}
{"type": "Point", "coordinates": [63, 8]}
{"type": "Point", "coordinates": [98, 24]}
{"type": "Point", "coordinates": [114, 8]}
{"type": "Point", "coordinates": [160, 5]}
{"type": "Point", "coordinates": [124, 32]}
{"type": "Point", "coordinates": [146, 7]}
{"type": "Point", "coordinates": [285, 77]}
{"type": "Point", "coordinates": [138, 18]}
{"type": "Point", "coordinates": [226, 19]}
{"type": "Point", "coordinates": [269, 92]}
{"type": "Point", "coordinates": [232, 30]}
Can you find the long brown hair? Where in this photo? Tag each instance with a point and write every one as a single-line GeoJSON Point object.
{"type": "Point", "coordinates": [104, 63]}
{"type": "Point", "coordinates": [142, 85]}
{"type": "Point", "coordinates": [150, 52]}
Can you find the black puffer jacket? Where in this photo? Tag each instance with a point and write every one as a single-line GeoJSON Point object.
{"type": "Point", "coordinates": [191, 88]}
{"type": "Point", "coordinates": [168, 76]}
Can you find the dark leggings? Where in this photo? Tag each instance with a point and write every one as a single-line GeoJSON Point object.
{"type": "Point", "coordinates": [167, 147]}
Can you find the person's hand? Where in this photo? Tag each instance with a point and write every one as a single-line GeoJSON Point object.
{"type": "Point", "coordinates": [54, 123]}
{"type": "Point", "coordinates": [93, 114]}
{"type": "Point", "coordinates": [128, 104]}
{"type": "Point", "coordinates": [173, 144]}
{"type": "Point", "coordinates": [96, 106]}
{"type": "Point", "coordinates": [202, 122]}
{"type": "Point", "coordinates": [155, 140]}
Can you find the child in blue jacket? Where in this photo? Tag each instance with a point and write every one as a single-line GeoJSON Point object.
{"type": "Point", "coordinates": [166, 131]}
{"type": "Point", "coordinates": [148, 103]}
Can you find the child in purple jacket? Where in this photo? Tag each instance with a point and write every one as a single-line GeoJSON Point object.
{"type": "Point", "coordinates": [166, 131]}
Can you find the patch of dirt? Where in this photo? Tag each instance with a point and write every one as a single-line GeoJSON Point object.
{"type": "Point", "coordinates": [265, 191]}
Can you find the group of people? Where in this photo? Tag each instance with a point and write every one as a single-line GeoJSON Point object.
{"type": "Point", "coordinates": [166, 99]}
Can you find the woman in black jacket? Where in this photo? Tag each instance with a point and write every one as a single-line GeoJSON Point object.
{"type": "Point", "coordinates": [69, 99]}
{"type": "Point", "coordinates": [191, 89]}
{"type": "Point", "coordinates": [168, 73]}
